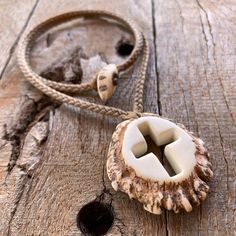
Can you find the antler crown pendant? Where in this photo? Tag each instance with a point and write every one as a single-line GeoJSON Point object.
{"type": "Point", "coordinates": [145, 178]}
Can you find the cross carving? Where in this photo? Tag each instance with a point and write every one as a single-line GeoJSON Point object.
{"type": "Point", "coordinates": [158, 151]}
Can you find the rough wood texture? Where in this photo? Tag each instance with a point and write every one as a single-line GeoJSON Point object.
{"type": "Point", "coordinates": [196, 66]}
{"type": "Point", "coordinates": [11, 27]}
{"type": "Point", "coordinates": [52, 157]}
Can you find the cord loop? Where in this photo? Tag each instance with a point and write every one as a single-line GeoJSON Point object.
{"type": "Point", "coordinates": [105, 87]}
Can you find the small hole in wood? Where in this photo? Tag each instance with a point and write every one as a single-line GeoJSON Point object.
{"type": "Point", "coordinates": [95, 218]}
{"type": "Point", "coordinates": [124, 47]}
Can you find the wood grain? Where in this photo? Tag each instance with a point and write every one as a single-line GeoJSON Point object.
{"type": "Point", "coordinates": [52, 156]}
{"type": "Point", "coordinates": [14, 16]}
{"type": "Point", "coordinates": [196, 64]}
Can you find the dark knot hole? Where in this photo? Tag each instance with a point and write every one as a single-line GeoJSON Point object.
{"type": "Point", "coordinates": [124, 47]}
{"type": "Point", "coordinates": [95, 218]}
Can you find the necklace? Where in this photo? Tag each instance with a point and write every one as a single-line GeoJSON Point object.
{"type": "Point", "coordinates": [140, 175]}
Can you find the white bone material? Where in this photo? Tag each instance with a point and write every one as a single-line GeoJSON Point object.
{"type": "Point", "coordinates": [106, 83]}
{"type": "Point", "coordinates": [180, 152]}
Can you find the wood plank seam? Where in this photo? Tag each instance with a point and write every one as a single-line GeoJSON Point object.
{"type": "Point", "coordinates": [155, 55]}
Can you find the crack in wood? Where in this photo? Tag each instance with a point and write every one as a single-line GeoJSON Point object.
{"type": "Point", "coordinates": [208, 21]}
{"type": "Point", "coordinates": [219, 131]}
{"type": "Point", "coordinates": [17, 201]}
{"type": "Point", "coordinates": [30, 113]}
{"type": "Point", "coordinates": [12, 49]}
{"type": "Point", "coordinates": [212, 102]}
{"type": "Point", "coordinates": [205, 37]}
{"type": "Point", "coordinates": [214, 54]}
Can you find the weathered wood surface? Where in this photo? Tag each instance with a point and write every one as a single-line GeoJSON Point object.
{"type": "Point", "coordinates": [52, 157]}
{"type": "Point", "coordinates": [12, 27]}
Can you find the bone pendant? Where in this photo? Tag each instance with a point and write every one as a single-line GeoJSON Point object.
{"type": "Point", "coordinates": [107, 81]}
{"type": "Point", "coordinates": [145, 178]}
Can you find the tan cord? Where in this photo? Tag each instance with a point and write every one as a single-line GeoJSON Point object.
{"type": "Point", "coordinates": [138, 96]}
{"type": "Point", "coordinates": [55, 89]}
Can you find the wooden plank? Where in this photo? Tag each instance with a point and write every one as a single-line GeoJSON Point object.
{"type": "Point", "coordinates": [14, 105]}
{"type": "Point", "coordinates": [57, 158]}
{"type": "Point", "coordinates": [195, 47]}
{"type": "Point", "coordinates": [14, 18]}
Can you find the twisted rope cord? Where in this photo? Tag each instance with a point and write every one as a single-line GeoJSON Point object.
{"type": "Point", "coordinates": [55, 89]}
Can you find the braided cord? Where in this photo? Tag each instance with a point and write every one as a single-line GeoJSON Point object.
{"type": "Point", "coordinates": [55, 89]}
{"type": "Point", "coordinates": [138, 96]}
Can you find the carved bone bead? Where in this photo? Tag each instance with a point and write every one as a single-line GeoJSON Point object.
{"type": "Point", "coordinates": [107, 81]}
